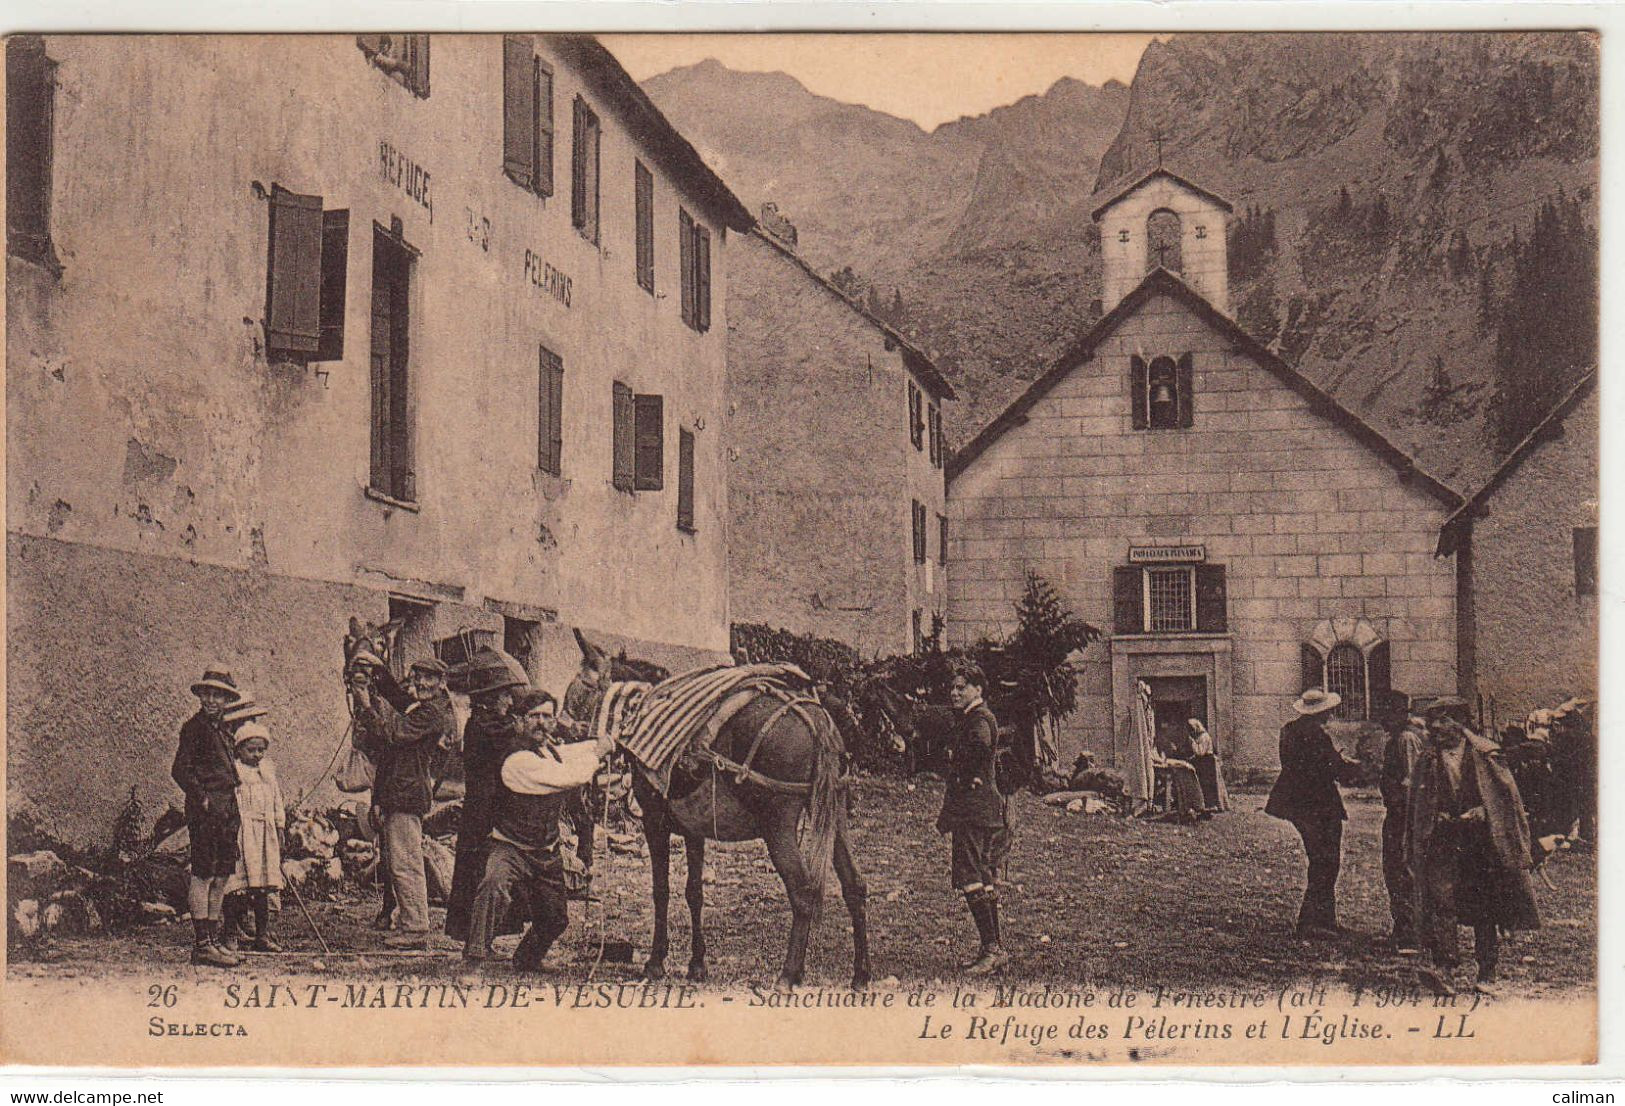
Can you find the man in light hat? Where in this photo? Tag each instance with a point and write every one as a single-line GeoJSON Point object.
{"type": "Point", "coordinates": [1305, 794]}
{"type": "Point", "coordinates": [1469, 846]}
{"type": "Point", "coordinates": [206, 770]}
{"type": "Point", "coordinates": [403, 743]}
{"type": "Point", "coordinates": [488, 737]}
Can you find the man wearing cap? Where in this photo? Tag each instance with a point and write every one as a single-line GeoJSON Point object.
{"type": "Point", "coordinates": [402, 743]}
{"type": "Point", "coordinates": [1399, 758]}
{"type": "Point", "coordinates": [1305, 794]}
{"type": "Point", "coordinates": [488, 737]}
{"type": "Point", "coordinates": [1469, 846]}
{"type": "Point", "coordinates": [537, 779]}
{"type": "Point", "coordinates": [206, 770]}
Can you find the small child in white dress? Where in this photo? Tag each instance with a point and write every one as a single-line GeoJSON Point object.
{"type": "Point", "coordinates": [259, 869]}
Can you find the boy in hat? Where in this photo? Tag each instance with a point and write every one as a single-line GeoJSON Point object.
{"type": "Point", "coordinates": [402, 743]}
{"type": "Point", "coordinates": [488, 737]}
{"type": "Point", "coordinates": [1469, 846]}
{"type": "Point", "coordinates": [524, 864]}
{"type": "Point", "coordinates": [206, 771]}
{"type": "Point", "coordinates": [975, 815]}
{"type": "Point", "coordinates": [1305, 794]}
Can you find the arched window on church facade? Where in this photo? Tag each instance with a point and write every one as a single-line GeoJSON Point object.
{"type": "Point", "coordinates": [1345, 674]}
{"type": "Point", "coordinates": [1163, 241]}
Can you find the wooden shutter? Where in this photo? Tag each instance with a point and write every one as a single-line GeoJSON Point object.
{"type": "Point", "coordinates": [1311, 667]}
{"type": "Point", "coordinates": [403, 480]}
{"type": "Point", "coordinates": [1211, 606]}
{"type": "Point", "coordinates": [916, 425]}
{"type": "Point", "coordinates": [1128, 600]}
{"type": "Point", "coordinates": [335, 273]}
{"type": "Point", "coordinates": [29, 98]}
{"type": "Point", "coordinates": [621, 441]}
{"type": "Point", "coordinates": [1186, 390]}
{"type": "Point", "coordinates": [578, 165]}
{"type": "Point", "coordinates": [1139, 397]}
{"type": "Point", "coordinates": [543, 85]}
{"type": "Point", "coordinates": [519, 109]}
{"type": "Point", "coordinates": [650, 434]}
{"type": "Point", "coordinates": [1379, 680]}
{"type": "Point", "coordinates": [643, 199]}
{"type": "Point", "coordinates": [702, 277]}
{"type": "Point", "coordinates": [917, 518]}
{"type": "Point", "coordinates": [549, 411]}
{"type": "Point", "coordinates": [942, 539]}
{"type": "Point", "coordinates": [418, 56]}
{"type": "Point", "coordinates": [685, 480]}
{"type": "Point", "coordinates": [379, 356]}
{"type": "Point", "coordinates": [293, 322]}
{"type": "Point", "coordinates": [685, 250]}
{"type": "Point", "coordinates": [590, 186]}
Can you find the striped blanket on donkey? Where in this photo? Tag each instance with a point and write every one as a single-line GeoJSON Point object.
{"type": "Point", "coordinates": [657, 723]}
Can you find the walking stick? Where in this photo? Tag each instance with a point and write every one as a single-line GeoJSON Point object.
{"type": "Point", "coordinates": [303, 909]}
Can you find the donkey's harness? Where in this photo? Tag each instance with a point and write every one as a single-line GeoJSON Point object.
{"type": "Point", "coordinates": [742, 772]}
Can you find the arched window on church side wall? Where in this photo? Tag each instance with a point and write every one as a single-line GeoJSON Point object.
{"type": "Point", "coordinates": [1162, 241]}
{"type": "Point", "coordinates": [1345, 674]}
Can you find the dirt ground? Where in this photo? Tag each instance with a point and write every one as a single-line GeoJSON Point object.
{"type": "Point", "coordinates": [1093, 900]}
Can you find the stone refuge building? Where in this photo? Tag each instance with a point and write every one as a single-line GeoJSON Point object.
{"type": "Point", "coordinates": [836, 476]}
{"type": "Point", "coordinates": [299, 328]}
{"type": "Point", "coordinates": [1241, 533]}
{"type": "Point", "coordinates": [1525, 546]}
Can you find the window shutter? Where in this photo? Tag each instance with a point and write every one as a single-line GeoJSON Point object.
{"type": "Point", "coordinates": [942, 539]}
{"type": "Point", "coordinates": [931, 433]}
{"type": "Point", "coordinates": [420, 64]}
{"type": "Point", "coordinates": [549, 404]}
{"type": "Point", "coordinates": [1128, 600]}
{"type": "Point", "coordinates": [685, 250]}
{"type": "Point", "coordinates": [1379, 679]}
{"type": "Point", "coordinates": [1311, 667]}
{"type": "Point", "coordinates": [589, 185]}
{"type": "Point", "coordinates": [1211, 606]}
{"type": "Point", "coordinates": [1138, 397]}
{"type": "Point", "coordinates": [556, 400]}
{"type": "Point", "coordinates": [518, 109]}
{"type": "Point", "coordinates": [293, 299]}
{"type": "Point", "coordinates": [643, 198]}
{"type": "Point", "coordinates": [916, 431]}
{"type": "Point", "coordinates": [625, 457]}
{"type": "Point", "coordinates": [702, 277]}
{"type": "Point", "coordinates": [917, 518]}
{"type": "Point", "coordinates": [28, 146]}
{"type": "Point", "coordinates": [650, 435]}
{"type": "Point", "coordinates": [1186, 390]}
{"type": "Point", "coordinates": [578, 165]}
{"type": "Point", "coordinates": [685, 480]}
{"type": "Point", "coordinates": [543, 114]}
{"type": "Point", "coordinates": [335, 272]}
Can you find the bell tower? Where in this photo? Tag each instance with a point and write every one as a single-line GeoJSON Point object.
{"type": "Point", "coordinates": [1164, 221]}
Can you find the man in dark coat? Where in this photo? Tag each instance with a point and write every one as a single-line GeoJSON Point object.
{"type": "Point", "coordinates": [206, 770]}
{"type": "Point", "coordinates": [976, 815]}
{"type": "Point", "coordinates": [1399, 758]}
{"type": "Point", "coordinates": [1305, 794]}
{"type": "Point", "coordinates": [1469, 846]}
{"type": "Point", "coordinates": [488, 737]}
{"type": "Point", "coordinates": [403, 745]}
{"type": "Point", "coordinates": [524, 867]}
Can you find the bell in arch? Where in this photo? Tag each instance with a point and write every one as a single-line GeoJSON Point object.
{"type": "Point", "coordinates": [1162, 393]}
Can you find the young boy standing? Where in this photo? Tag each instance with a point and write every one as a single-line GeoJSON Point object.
{"type": "Point", "coordinates": [206, 771]}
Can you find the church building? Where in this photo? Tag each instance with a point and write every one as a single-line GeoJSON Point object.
{"type": "Point", "coordinates": [1242, 534]}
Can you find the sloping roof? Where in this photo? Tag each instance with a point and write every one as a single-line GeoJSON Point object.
{"type": "Point", "coordinates": [1161, 282]}
{"type": "Point", "coordinates": [670, 148]}
{"type": "Point", "coordinates": [1113, 197]}
{"type": "Point", "coordinates": [921, 365]}
{"type": "Point", "coordinates": [1459, 524]}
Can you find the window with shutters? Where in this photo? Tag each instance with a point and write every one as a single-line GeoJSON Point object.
{"type": "Point", "coordinates": [942, 539]}
{"type": "Point", "coordinates": [1585, 560]}
{"type": "Point", "coordinates": [917, 516]}
{"type": "Point", "coordinates": [527, 116]}
{"type": "Point", "coordinates": [30, 123]}
{"type": "Point", "coordinates": [405, 57]}
{"type": "Point", "coordinates": [933, 432]}
{"type": "Point", "coordinates": [648, 426]}
{"type": "Point", "coordinates": [393, 474]}
{"type": "Point", "coordinates": [694, 260]}
{"type": "Point", "coordinates": [643, 204]}
{"type": "Point", "coordinates": [584, 172]}
{"type": "Point", "coordinates": [1161, 392]}
{"type": "Point", "coordinates": [622, 449]}
{"type": "Point", "coordinates": [685, 481]}
{"type": "Point", "coordinates": [1170, 599]}
{"type": "Point", "coordinates": [1345, 675]}
{"type": "Point", "coordinates": [550, 412]}
{"type": "Point", "coordinates": [306, 273]}
{"type": "Point", "coordinates": [916, 415]}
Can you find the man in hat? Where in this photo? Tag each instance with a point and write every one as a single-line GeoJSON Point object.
{"type": "Point", "coordinates": [403, 743]}
{"type": "Point", "coordinates": [1399, 757]}
{"type": "Point", "coordinates": [1469, 846]}
{"type": "Point", "coordinates": [975, 815]}
{"type": "Point", "coordinates": [1305, 794]}
{"type": "Point", "coordinates": [488, 737]}
{"type": "Point", "coordinates": [206, 770]}
{"type": "Point", "coordinates": [537, 779]}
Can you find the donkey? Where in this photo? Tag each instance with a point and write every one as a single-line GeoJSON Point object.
{"type": "Point", "coordinates": [793, 758]}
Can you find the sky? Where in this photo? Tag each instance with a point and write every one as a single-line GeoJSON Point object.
{"type": "Point", "coordinates": [929, 78]}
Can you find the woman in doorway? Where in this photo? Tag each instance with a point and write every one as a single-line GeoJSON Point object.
{"type": "Point", "coordinates": [1204, 757]}
{"type": "Point", "coordinates": [1184, 789]}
